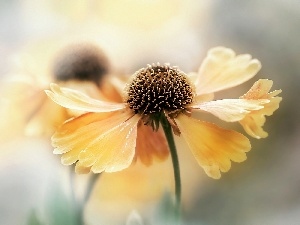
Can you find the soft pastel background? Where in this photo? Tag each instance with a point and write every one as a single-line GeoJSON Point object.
{"type": "Point", "coordinates": [263, 190]}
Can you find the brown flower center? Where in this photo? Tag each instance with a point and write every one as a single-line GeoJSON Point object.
{"type": "Point", "coordinates": [159, 88]}
{"type": "Point", "coordinates": [84, 62]}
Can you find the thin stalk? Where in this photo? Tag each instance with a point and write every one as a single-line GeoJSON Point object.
{"type": "Point", "coordinates": [78, 214]}
{"type": "Point", "coordinates": [169, 136]}
{"type": "Point", "coordinates": [89, 189]}
{"type": "Point", "coordinates": [92, 180]}
{"type": "Point", "coordinates": [79, 206]}
{"type": "Point", "coordinates": [72, 184]}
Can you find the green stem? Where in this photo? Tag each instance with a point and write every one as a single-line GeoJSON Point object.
{"type": "Point", "coordinates": [79, 206]}
{"type": "Point", "coordinates": [91, 184]}
{"type": "Point", "coordinates": [72, 184]}
{"type": "Point", "coordinates": [78, 214]}
{"type": "Point", "coordinates": [169, 135]}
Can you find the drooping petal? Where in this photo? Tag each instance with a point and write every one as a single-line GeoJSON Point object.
{"type": "Point", "coordinates": [253, 122]}
{"type": "Point", "coordinates": [74, 135]}
{"type": "Point", "coordinates": [76, 100]}
{"type": "Point", "coordinates": [114, 150]}
{"type": "Point", "coordinates": [212, 146]}
{"type": "Point", "coordinates": [150, 145]}
{"type": "Point", "coordinates": [84, 134]}
{"type": "Point", "coordinates": [76, 123]}
{"type": "Point", "coordinates": [80, 130]}
{"type": "Point", "coordinates": [222, 69]}
{"type": "Point", "coordinates": [231, 110]}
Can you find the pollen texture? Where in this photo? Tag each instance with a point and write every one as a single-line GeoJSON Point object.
{"type": "Point", "coordinates": [158, 88]}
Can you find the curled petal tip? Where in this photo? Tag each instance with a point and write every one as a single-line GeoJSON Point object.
{"type": "Point", "coordinates": [254, 121]}
{"type": "Point", "coordinates": [222, 69]}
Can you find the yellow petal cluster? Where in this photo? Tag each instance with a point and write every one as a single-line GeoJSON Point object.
{"type": "Point", "coordinates": [110, 136]}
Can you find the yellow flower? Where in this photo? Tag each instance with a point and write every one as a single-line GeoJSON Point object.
{"type": "Point", "coordinates": [25, 107]}
{"type": "Point", "coordinates": [109, 136]}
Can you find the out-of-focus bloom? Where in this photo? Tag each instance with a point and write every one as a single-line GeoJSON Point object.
{"type": "Point", "coordinates": [109, 136]}
{"type": "Point", "coordinates": [25, 107]}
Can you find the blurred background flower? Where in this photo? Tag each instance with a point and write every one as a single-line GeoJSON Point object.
{"type": "Point", "coordinates": [133, 33]}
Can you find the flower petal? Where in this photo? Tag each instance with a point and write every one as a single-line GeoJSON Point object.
{"type": "Point", "coordinates": [113, 87]}
{"type": "Point", "coordinates": [107, 145]}
{"type": "Point", "coordinates": [203, 98]}
{"type": "Point", "coordinates": [231, 110]}
{"type": "Point", "coordinates": [212, 146]}
{"type": "Point", "coordinates": [150, 145]}
{"type": "Point", "coordinates": [78, 131]}
{"type": "Point", "coordinates": [76, 123]}
{"type": "Point", "coordinates": [76, 100]}
{"type": "Point", "coordinates": [80, 169]}
{"type": "Point", "coordinates": [76, 134]}
{"type": "Point", "coordinates": [114, 150]}
{"type": "Point", "coordinates": [253, 122]}
{"type": "Point", "coordinates": [222, 69]}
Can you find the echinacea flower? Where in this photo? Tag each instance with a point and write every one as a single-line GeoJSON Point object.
{"type": "Point", "coordinates": [109, 136]}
